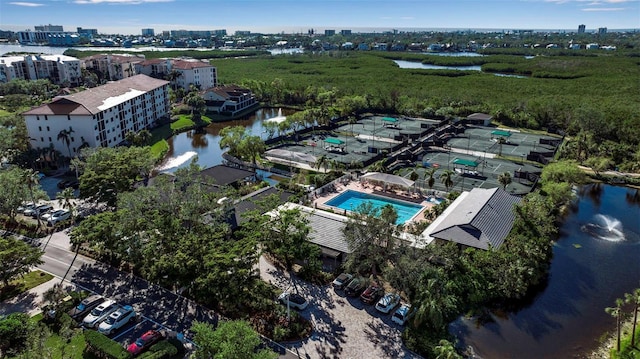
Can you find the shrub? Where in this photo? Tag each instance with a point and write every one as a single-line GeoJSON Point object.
{"type": "Point", "coordinates": [161, 350]}
{"type": "Point", "coordinates": [104, 348]}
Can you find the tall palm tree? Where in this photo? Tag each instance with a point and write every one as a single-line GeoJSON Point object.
{"type": "Point", "coordinates": [633, 298]}
{"type": "Point", "coordinates": [65, 136]}
{"type": "Point", "coordinates": [447, 178]}
{"type": "Point", "coordinates": [616, 312]}
{"type": "Point", "coordinates": [322, 161]}
{"type": "Point", "coordinates": [379, 166]}
{"type": "Point", "coordinates": [173, 77]}
{"type": "Point", "coordinates": [429, 176]}
{"type": "Point", "coordinates": [32, 179]}
{"type": "Point", "coordinates": [504, 179]}
{"type": "Point", "coordinates": [446, 350]}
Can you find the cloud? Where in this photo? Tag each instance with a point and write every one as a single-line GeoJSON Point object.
{"type": "Point", "coordinates": [604, 9]}
{"type": "Point", "coordinates": [27, 4]}
{"type": "Point", "coordinates": [118, 2]}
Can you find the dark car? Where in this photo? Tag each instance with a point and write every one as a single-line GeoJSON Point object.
{"type": "Point", "coordinates": [371, 294]}
{"type": "Point", "coordinates": [342, 280]}
{"type": "Point", "coordinates": [144, 342]}
{"type": "Point", "coordinates": [355, 287]}
{"type": "Point", "coordinates": [87, 304]}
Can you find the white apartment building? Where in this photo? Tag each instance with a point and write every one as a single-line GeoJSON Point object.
{"type": "Point", "coordinates": [114, 67]}
{"type": "Point", "coordinates": [194, 72]}
{"type": "Point", "coordinates": [59, 69]}
{"type": "Point", "coordinates": [158, 68]}
{"type": "Point", "coordinates": [100, 116]}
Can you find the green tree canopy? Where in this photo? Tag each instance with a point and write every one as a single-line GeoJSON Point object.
{"type": "Point", "coordinates": [231, 339]}
{"type": "Point", "coordinates": [17, 258]}
{"type": "Point", "coordinates": [107, 172]}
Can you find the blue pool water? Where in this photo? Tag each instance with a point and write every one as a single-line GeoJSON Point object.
{"type": "Point", "coordinates": [351, 200]}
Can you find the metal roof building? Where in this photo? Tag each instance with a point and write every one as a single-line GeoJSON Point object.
{"type": "Point", "coordinates": [481, 218]}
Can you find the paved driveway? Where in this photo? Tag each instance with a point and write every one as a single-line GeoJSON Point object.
{"type": "Point", "coordinates": [343, 327]}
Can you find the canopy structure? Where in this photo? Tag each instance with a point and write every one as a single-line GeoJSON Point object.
{"type": "Point", "coordinates": [334, 141]}
{"type": "Point", "coordinates": [389, 119]}
{"type": "Point", "coordinates": [501, 133]}
{"type": "Point", "coordinates": [291, 156]}
{"type": "Point", "coordinates": [463, 162]}
{"type": "Point", "coordinates": [388, 178]}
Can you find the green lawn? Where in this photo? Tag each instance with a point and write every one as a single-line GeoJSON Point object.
{"type": "Point", "coordinates": [626, 350]}
{"type": "Point", "coordinates": [185, 122]}
{"type": "Point", "coordinates": [160, 148]}
{"type": "Point", "coordinates": [59, 349]}
{"type": "Point", "coordinates": [21, 285]}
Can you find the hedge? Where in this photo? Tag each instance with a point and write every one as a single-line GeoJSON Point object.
{"type": "Point", "coordinates": [104, 348]}
{"type": "Point", "coordinates": [161, 350]}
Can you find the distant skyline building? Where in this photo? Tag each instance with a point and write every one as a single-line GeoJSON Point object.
{"type": "Point", "coordinates": [88, 32]}
{"type": "Point", "coordinates": [49, 28]}
{"type": "Point", "coordinates": [220, 32]}
{"type": "Point", "coordinates": [242, 32]}
{"type": "Point", "coordinates": [190, 33]}
{"type": "Point", "coordinates": [329, 32]}
{"type": "Point", "coordinates": [581, 29]}
{"type": "Point", "coordinates": [345, 32]}
{"type": "Point", "coordinates": [148, 32]}
{"type": "Point", "coordinates": [602, 31]}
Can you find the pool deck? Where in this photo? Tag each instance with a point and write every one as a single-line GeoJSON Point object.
{"type": "Point", "coordinates": [322, 199]}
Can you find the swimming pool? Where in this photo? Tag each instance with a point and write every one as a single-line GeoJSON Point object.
{"type": "Point", "coordinates": [351, 200]}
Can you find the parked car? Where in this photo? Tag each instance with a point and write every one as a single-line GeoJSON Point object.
{"type": "Point", "coordinates": [57, 216]}
{"type": "Point", "coordinates": [117, 319]}
{"type": "Point", "coordinates": [371, 294]}
{"type": "Point", "coordinates": [402, 314]}
{"type": "Point", "coordinates": [295, 300]}
{"type": "Point", "coordinates": [388, 302]}
{"type": "Point", "coordinates": [99, 313]}
{"type": "Point", "coordinates": [342, 280]}
{"type": "Point", "coordinates": [355, 287]}
{"type": "Point", "coordinates": [26, 206]}
{"type": "Point", "coordinates": [38, 210]}
{"type": "Point", "coordinates": [144, 342]}
{"type": "Point", "coordinates": [85, 306]}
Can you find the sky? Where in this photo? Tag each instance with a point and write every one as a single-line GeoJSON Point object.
{"type": "Point", "coordinates": [293, 16]}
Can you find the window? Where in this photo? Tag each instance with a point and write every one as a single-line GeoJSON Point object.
{"type": "Point", "coordinates": [46, 118]}
{"type": "Point", "coordinates": [48, 128]}
{"type": "Point", "coordinates": [40, 128]}
{"type": "Point", "coordinates": [73, 139]}
{"type": "Point", "coordinates": [41, 139]}
{"type": "Point", "coordinates": [69, 117]}
{"type": "Point", "coordinates": [49, 139]}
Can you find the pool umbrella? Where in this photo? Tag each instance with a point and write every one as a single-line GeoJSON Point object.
{"type": "Point", "coordinates": [389, 179]}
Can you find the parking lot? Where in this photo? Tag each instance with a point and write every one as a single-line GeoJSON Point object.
{"type": "Point", "coordinates": [343, 327]}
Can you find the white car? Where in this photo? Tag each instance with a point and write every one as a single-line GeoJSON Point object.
{"type": "Point", "coordinates": [388, 302]}
{"type": "Point", "coordinates": [26, 206]}
{"type": "Point", "coordinates": [56, 216]}
{"type": "Point", "coordinates": [294, 300]}
{"type": "Point", "coordinates": [402, 314]}
{"type": "Point", "coordinates": [117, 319]}
{"type": "Point", "coordinates": [99, 313]}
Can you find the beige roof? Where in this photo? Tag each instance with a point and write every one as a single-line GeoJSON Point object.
{"type": "Point", "coordinates": [189, 65]}
{"type": "Point", "coordinates": [120, 59]}
{"type": "Point", "coordinates": [97, 99]}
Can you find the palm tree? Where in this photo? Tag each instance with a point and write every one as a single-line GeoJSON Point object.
{"type": "Point", "coordinates": [633, 298]}
{"type": "Point", "coordinates": [616, 312]}
{"type": "Point", "coordinates": [379, 166]}
{"type": "Point", "coordinates": [32, 180]}
{"type": "Point", "coordinates": [173, 77]}
{"type": "Point", "coordinates": [504, 179]}
{"type": "Point", "coordinates": [65, 136]}
{"type": "Point", "coordinates": [322, 161]}
{"type": "Point", "coordinates": [446, 350]}
{"type": "Point", "coordinates": [197, 104]}
{"type": "Point", "coordinates": [447, 178]}
{"type": "Point", "coordinates": [429, 177]}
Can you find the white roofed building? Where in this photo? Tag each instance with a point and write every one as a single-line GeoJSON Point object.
{"type": "Point", "coordinates": [195, 72]}
{"type": "Point", "coordinates": [100, 116]}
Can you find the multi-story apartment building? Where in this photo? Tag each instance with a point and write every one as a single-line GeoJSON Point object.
{"type": "Point", "coordinates": [148, 32]}
{"type": "Point", "coordinates": [100, 116]}
{"type": "Point", "coordinates": [158, 68]}
{"type": "Point", "coordinates": [113, 67]}
{"type": "Point", "coordinates": [59, 69]}
{"type": "Point", "coordinates": [49, 27]}
{"type": "Point", "coordinates": [194, 72]}
{"type": "Point", "coordinates": [228, 100]}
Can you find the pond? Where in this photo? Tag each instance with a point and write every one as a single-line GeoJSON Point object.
{"type": "Point", "coordinates": [403, 64]}
{"type": "Point", "coordinates": [183, 147]}
{"type": "Point", "coordinates": [594, 262]}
